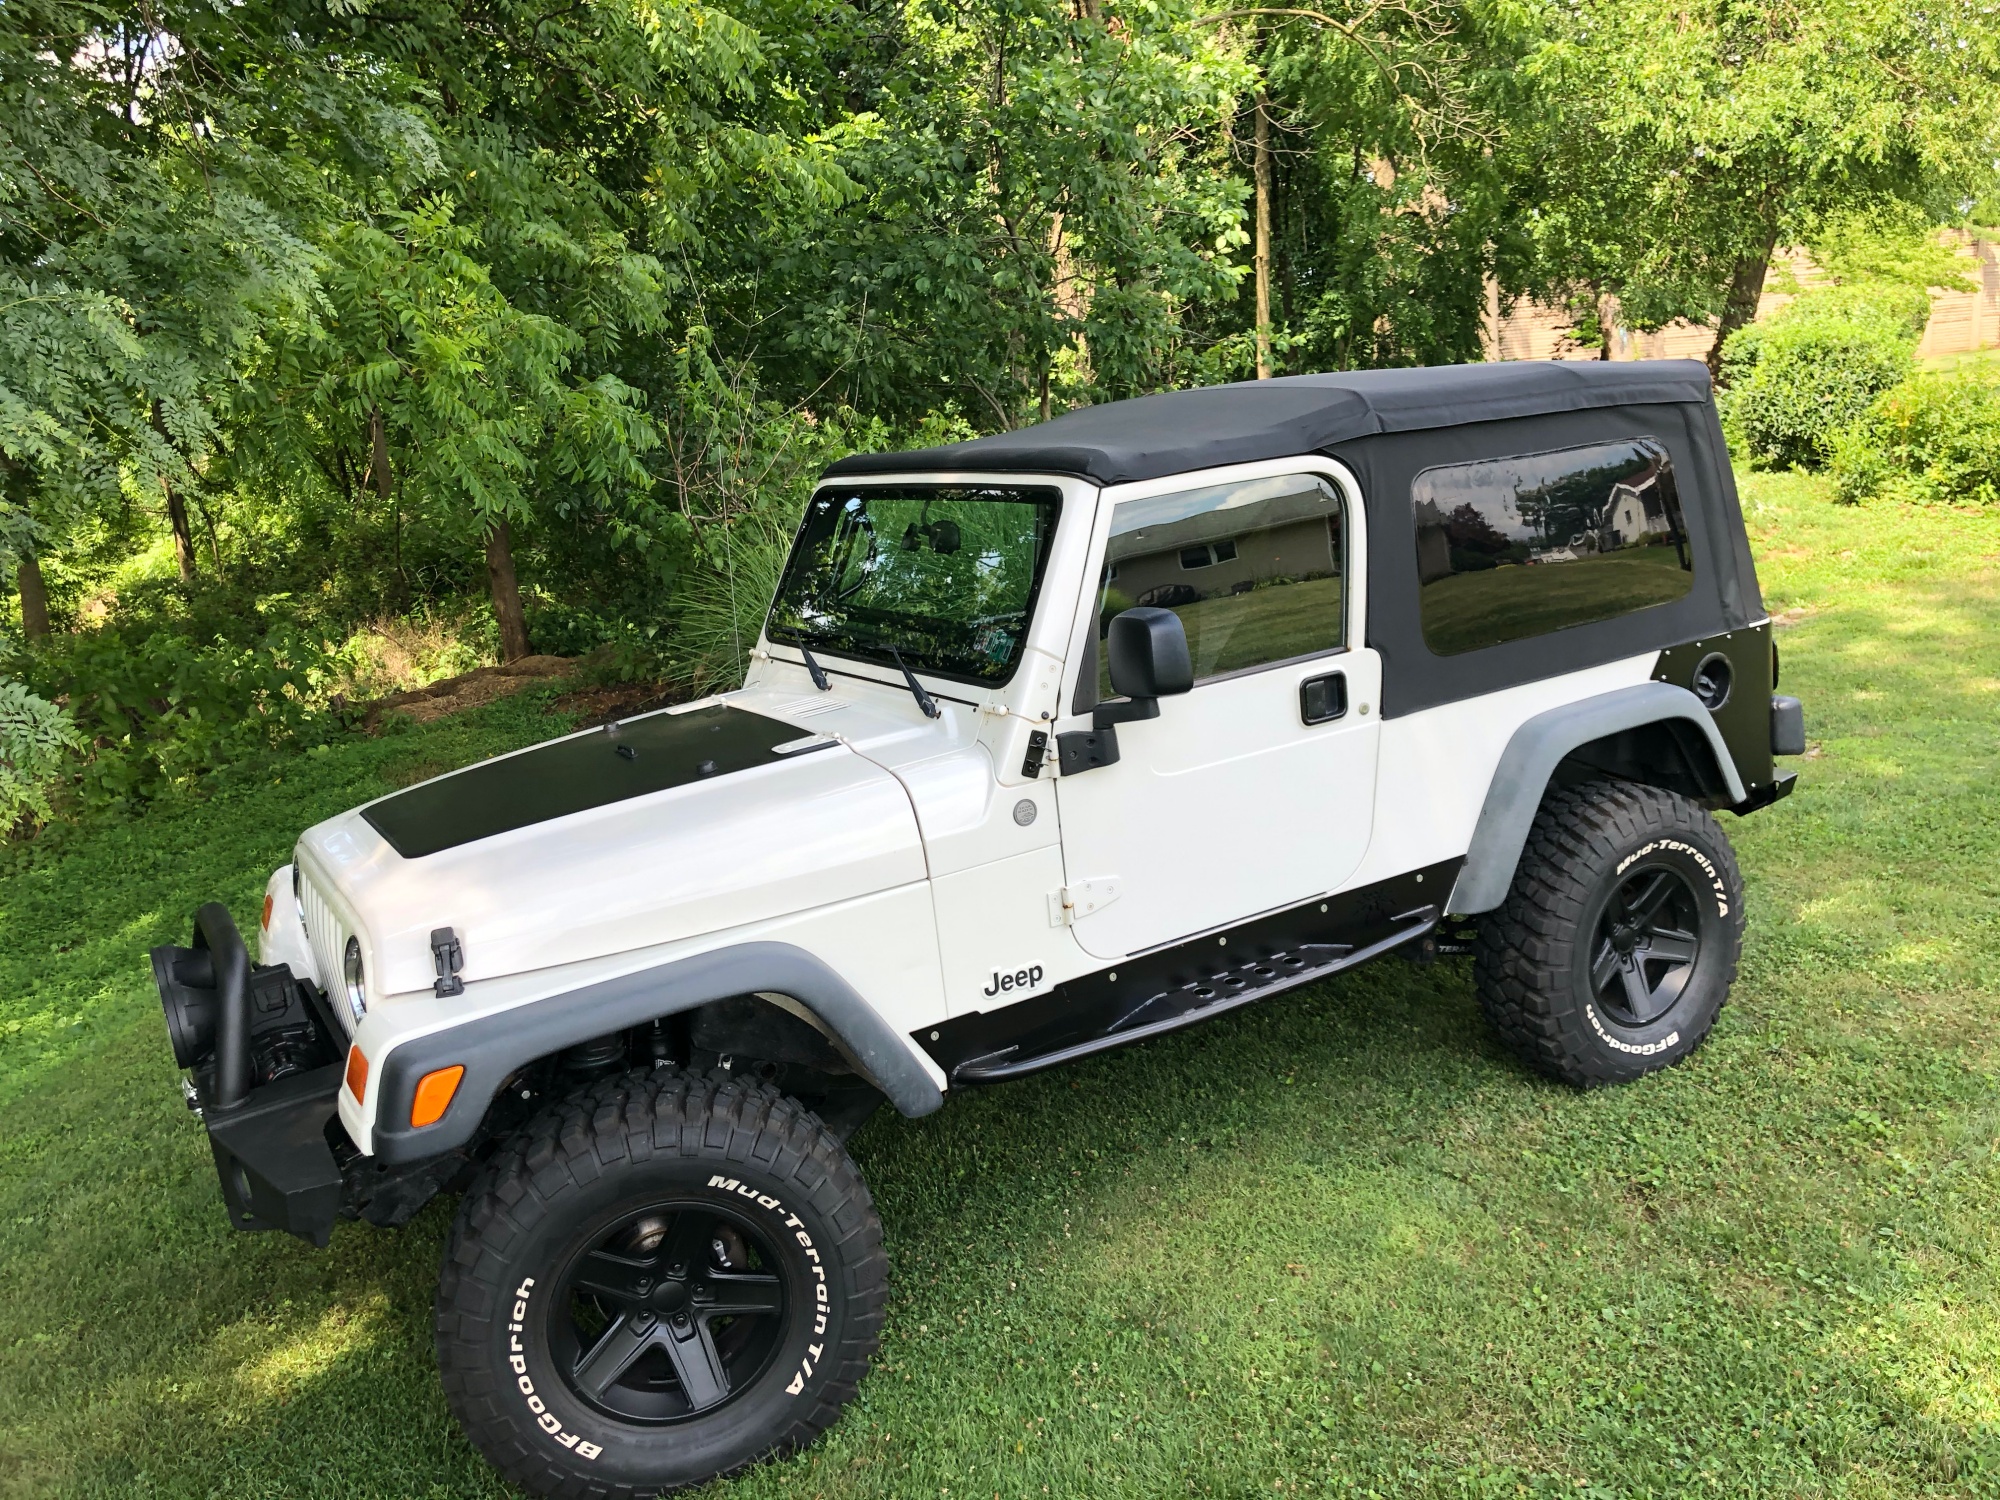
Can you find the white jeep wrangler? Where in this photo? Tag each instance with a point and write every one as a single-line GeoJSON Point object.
{"type": "Point", "coordinates": [1053, 742]}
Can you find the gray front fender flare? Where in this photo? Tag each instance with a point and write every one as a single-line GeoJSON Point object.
{"type": "Point", "coordinates": [492, 1047]}
{"type": "Point", "coordinates": [1531, 758]}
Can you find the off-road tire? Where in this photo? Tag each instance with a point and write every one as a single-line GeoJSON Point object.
{"type": "Point", "coordinates": [1533, 962]}
{"type": "Point", "coordinates": [629, 1140]}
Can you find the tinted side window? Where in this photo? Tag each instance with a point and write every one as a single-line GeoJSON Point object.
{"type": "Point", "coordinates": [1515, 547]}
{"type": "Point", "coordinates": [1253, 570]}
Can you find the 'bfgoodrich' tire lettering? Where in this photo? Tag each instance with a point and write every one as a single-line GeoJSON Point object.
{"type": "Point", "coordinates": [606, 1153]}
{"type": "Point", "coordinates": [1534, 952]}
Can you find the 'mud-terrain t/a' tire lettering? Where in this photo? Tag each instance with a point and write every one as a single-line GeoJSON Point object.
{"type": "Point", "coordinates": [660, 1279]}
{"type": "Point", "coordinates": [1618, 943]}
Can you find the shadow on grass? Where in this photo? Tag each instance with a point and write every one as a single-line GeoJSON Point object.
{"type": "Point", "coordinates": [1335, 1238]}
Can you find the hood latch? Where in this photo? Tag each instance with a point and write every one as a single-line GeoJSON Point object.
{"type": "Point", "coordinates": [449, 958]}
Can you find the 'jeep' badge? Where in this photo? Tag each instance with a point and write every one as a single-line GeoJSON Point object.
{"type": "Point", "coordinates": [1020, 979]}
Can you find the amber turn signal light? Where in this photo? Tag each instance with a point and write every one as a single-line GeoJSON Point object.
{"type": "Point", "coordinates": [434, 1091]}
{"type": "Point", "coordinates": [357, 1074]}
{"type": "Point", "coordinates": [267, 911]}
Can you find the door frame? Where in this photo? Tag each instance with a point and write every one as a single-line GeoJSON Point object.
{"type": "Point", "coordinates": [1082, 656]}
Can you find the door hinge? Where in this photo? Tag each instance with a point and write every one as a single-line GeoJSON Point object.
{"type": "Point", "coordinates": [1074, 902]}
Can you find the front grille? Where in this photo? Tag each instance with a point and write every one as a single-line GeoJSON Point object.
{"type": "Point", "coordinates": [329, 948]}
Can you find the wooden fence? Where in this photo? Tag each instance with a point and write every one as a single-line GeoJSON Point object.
{"type": "Point", "coordinates": [1960, 321]}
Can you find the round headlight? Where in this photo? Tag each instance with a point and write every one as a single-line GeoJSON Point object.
{"type": "Point", "coordinates": [357, 992]}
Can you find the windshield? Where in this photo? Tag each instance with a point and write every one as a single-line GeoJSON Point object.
{"type": "Point", "coordinates": [944, 575]}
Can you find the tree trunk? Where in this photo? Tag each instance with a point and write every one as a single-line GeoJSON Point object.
{"type": "Point", "coordinates": [378, 453]}
{"type": "Point", "coordinates": [506, 594]}
{"type": "Point", "coordinates": [34, 598]}
{"type": "Point", "coordinates": [1261, 171]}
{"type": "Point", "coordinates": [1746, 287]}
{"type": "Point", "coordinates": [177, 516]}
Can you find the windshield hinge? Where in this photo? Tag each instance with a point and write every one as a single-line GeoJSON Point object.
{"type": "Point", "coordinates": [1073, 903]}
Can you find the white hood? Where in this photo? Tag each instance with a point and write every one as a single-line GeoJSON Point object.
{"type": "Point", "coordinates": [768, 834]}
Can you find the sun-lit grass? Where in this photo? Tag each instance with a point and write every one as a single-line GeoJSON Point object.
{"type": "Point", "coordinates": [1338, 1243]}
{"type": "Point", "coordinates": [1973, 359]}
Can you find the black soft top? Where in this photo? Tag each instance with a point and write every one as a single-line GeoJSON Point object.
{"type": "Point", "coordinates": [1389, 426]}
{"type": "Point", "coordinates": [1151, 437]}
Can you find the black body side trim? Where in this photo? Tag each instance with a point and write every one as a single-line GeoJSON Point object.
{"type": "Point", "coordinates": [612, 764]}
{"type": "Point", "coordinates": [1176, 986]}
{"type": "Point", "coordinates": [1764, 796]}
{"type": "Point", "coordinates": [1745, 714]}
{"type": "Point", "coordinates": [492, 1047]}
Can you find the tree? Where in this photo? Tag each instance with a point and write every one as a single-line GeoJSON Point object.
{"type": "Point", "coordinates": [1042, 193]}
{"type": "Point", "coordinates": [1677, 146]}
{"type": "Point", "coordinates": [1376, 199]}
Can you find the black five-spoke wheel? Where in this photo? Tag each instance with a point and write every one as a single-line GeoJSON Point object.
{"type": "Point", "coordinates": [667, 1314]}
{"type": "Point", "coordinates": [1646, 944]}
{"type": "Point", "coordinates": [1617, 944]}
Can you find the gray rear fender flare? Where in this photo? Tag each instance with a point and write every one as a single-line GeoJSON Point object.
{"type": "Point", "coordinates": [1530, 760]}
{"type": "Point", "coordinates": [491, 1048]}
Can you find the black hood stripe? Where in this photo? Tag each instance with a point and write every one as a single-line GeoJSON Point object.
{"type": "Point", "coordinates": [612, 764]}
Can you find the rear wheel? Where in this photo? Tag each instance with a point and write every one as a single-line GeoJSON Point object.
{"type": "Point", "coordinates": [662, 1279]}
{"type": "Point", "coordinates": [1617, 944]}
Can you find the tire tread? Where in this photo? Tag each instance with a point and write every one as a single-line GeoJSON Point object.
{"type": "Point", "coordinates": [629, 1119]}
{"type": "Point", "coordinates": [1528, 946]}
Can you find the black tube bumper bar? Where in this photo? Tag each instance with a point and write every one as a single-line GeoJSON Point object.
{"type": "Point", "coordinates": [270, 1138]}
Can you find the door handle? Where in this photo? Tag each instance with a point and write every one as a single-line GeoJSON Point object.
{"type": "Point", "coordinates": [1323, 698]}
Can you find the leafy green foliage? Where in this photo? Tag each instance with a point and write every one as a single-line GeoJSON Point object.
{"type": "Point", "coordinates": [320, 302]}
{"type": "Point", "coordinates": [1935, 439]}
{"type": "Point", "coordinates": [1672, 147]}
{"type": "Point", "coordinates": [36, 739]}
{"type": "Point", "coordinates": [159, 710]}
{"type": "Point", "coordinates": [1794, 383]}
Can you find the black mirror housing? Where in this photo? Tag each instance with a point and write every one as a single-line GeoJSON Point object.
{"type": "Point", "coordinates": [1149, 661]}
{"type": "Point", "coordinates": [1148, 652]}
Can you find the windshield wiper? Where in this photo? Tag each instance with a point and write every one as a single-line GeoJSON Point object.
{"type": "Point", "coordinates": [924, 699]}
{"type": "Point", "coordinates": [818, 672]}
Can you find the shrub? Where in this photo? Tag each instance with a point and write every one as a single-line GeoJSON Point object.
{"type": "Point", "coordinates": [1935, 439]}
{"type": "Point", "coordinates": [723, 602]}
{"type": "Point", "coordinates": [161, 710]}
{"type": "Point", "coordinates": [36, 737]}
{"type": "Point", "coordinates": [1795, 382]}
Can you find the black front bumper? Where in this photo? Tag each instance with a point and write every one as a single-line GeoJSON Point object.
{"type": "Point", "coordinates": [271, 1152]}
{"type": "Point", "coordinates": [264, 1069]}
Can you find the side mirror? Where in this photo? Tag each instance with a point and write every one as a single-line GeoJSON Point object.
{"type": "Point", "coordinates": [1149, 661]}
{"type": "Point", "coordinates": [1149, 653]}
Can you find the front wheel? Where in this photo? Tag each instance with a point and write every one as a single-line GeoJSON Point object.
{"type": "Point", "coordinates": [1618, 942]}
{"type": "Point", "coordinates": [661, 1280]}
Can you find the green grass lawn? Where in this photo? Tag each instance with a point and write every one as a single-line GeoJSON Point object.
{"type": "Point", "coordinates": [1334, 1244]}
{"type": "Point", "coordinates": [1987, 360]}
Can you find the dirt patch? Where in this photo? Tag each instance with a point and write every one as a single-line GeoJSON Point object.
{"type": "Point", "coordinates": [600, 705]}
{"type": "Point", "coordinates": [452, 695]}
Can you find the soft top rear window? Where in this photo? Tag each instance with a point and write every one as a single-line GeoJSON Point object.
{"type": "Point", "coordinates": [1509, 548]}
{"type": "Point", "coordinates": [943, 576]}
